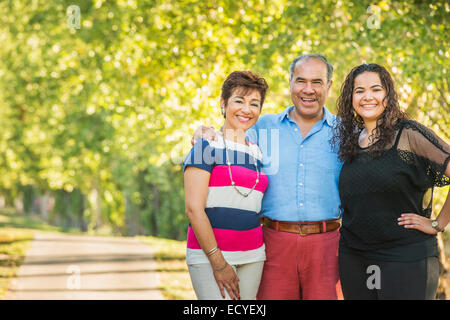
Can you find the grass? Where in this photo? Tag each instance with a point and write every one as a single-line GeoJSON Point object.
{"type": "Point", "coordinates": [14, 244]}
{"type": "Point", "coordinates": [16, 234]}
{"type": "Point", "coordinates": [9, 217]}
{"type": "Point", "coordinates": [170, 255]}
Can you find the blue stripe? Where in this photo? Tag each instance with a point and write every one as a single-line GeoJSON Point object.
{"type": "Point", "coordinates": [232, 219]}
{"type": "Point", "coordinates": [200, 156]}
{"type": "Point", "coordinates": [206, 157]}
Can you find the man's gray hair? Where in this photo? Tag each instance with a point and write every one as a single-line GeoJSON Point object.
{"type": "Point", "coordinates": [311, 56]}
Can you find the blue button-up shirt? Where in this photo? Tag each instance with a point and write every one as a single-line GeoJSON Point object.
{"type": "Point", "coordinates": [303, 172]}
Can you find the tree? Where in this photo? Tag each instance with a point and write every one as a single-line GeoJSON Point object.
{"type": "Point", "coordinates": [100, 117]}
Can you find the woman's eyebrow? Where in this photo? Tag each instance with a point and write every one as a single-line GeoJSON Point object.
{"type": "Point", "coordinates": [241, 97]}
{"type": "Point", "coordinates": [375, 85]}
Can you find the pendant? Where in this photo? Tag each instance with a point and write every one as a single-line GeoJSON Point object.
{"type": "Point", "coordinates": [245, 195]}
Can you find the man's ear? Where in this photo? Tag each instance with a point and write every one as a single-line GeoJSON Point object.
{"type": "Point", "coordinates": [329, 85]}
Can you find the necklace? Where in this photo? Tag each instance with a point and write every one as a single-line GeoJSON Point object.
{"type": "Point", "coordinates": [231, 177]}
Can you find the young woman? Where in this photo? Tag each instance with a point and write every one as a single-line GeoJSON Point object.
{"type": "Point", "coordinates": [224, 187]}
{"type": "Point", "coordinates": [388, 248]}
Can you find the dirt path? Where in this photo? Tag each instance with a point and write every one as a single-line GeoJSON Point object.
{"type": "Point", "coordinates": [83, 267]}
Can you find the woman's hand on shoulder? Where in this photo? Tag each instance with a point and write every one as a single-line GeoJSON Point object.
{"type": "Point", "coordinates": [207, 133]}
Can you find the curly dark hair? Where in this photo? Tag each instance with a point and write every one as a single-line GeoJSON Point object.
{"type": "Point", "coordinates": [350, 124]}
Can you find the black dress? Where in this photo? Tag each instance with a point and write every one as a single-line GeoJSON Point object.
{"type": "Point", "coordinates": [375, 191]}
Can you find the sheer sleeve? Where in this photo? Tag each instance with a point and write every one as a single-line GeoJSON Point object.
{"type": "Point", "coordinates": [431, 149]}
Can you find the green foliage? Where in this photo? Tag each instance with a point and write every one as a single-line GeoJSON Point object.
{"type": "Point", "coordinates": [107, 110]}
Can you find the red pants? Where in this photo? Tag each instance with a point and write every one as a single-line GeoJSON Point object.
{"type": "Point", "coordinates": [300, 267]}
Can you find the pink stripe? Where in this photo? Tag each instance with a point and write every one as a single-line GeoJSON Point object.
{"type": "Point", "coordinates": [242, 177]}
{"type": "Point", "coordinates": [231, 240]}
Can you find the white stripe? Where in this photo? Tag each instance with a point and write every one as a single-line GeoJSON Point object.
{"type": "Point", "coordinates": [197, 256]}
{"type": "Point", "coordinates": [252, 149]}
{"type": "Point", "coordinates": [228, 197]}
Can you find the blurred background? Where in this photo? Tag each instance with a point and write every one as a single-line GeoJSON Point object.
{"type": "Point", "coordinates": [99, 99]}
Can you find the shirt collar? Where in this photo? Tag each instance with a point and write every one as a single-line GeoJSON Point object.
{"type": "Point", "coordinates": [328, 117]}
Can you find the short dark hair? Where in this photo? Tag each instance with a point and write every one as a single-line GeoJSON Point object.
{"type": "Point", "coordinates": [311, 56]}
{"type": "Point", "coordinates": [246, 80]}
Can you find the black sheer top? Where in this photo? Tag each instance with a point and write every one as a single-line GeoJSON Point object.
{"type": "Point", "coordinates": [375, 191]}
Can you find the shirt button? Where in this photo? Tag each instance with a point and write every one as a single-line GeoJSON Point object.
{"type": "Point", "coordinates": [301, 164]}
{"type": "Point", "coordinates": [300, 184]}
{"type": "Point", "coordinates": [301, 146]}
{"type": "Point", "coordinates": [295, 129]}
{"type": "Point", "coordinates": [301, 204]}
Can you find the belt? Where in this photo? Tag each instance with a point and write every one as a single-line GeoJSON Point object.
{"type": "Point", "coordinates": [304, 228]}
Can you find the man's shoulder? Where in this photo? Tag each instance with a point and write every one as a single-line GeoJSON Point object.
{"type": "Point", "coordinates": [271, 119]}
{"type": "Point", "coordinates": [267, 118]}
{"type": "Point", "coordinates": [330, 117]}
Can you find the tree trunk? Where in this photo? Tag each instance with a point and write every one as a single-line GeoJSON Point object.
{"type": "Point", "coordinates": [156, 206]}
{"type": "Point", "coordinates": [131, 217]}
{"type": "Point", "coordinates": [43, 207]}
{"type": "Point", "coordinates": [97, 207]}
{"type": "Point", "coordinates": [18, 203]}
{"type": "Point", "coordinates": [80, 212]}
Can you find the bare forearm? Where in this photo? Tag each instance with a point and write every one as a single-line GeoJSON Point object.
{"type": "Point", "coordinates": [205, 236]}
{"type": "Point", "coordinates": [444, 216]}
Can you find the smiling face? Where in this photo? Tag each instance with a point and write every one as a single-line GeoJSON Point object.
{"type": "Point", "coordinates": [368, 96]}
{"type": "Point", "coordinates": [309, 88]}
{"type": "Point", "coordinates": [242, 109]}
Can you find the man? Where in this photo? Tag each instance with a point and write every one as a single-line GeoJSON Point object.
{"type": "Point", "coordinates": [301, 205]}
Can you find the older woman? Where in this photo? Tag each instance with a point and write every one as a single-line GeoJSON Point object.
{"type": "Point", "coordinates": [224, 187]}
{"type": "Point", "coordinates": [388, 248]}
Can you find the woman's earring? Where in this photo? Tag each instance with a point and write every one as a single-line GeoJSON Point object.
{"type": "Point", "coordinates": [223, 112]}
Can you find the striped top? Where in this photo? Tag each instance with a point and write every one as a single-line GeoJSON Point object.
{"type": "Point", "coordinates": [233, 217]}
